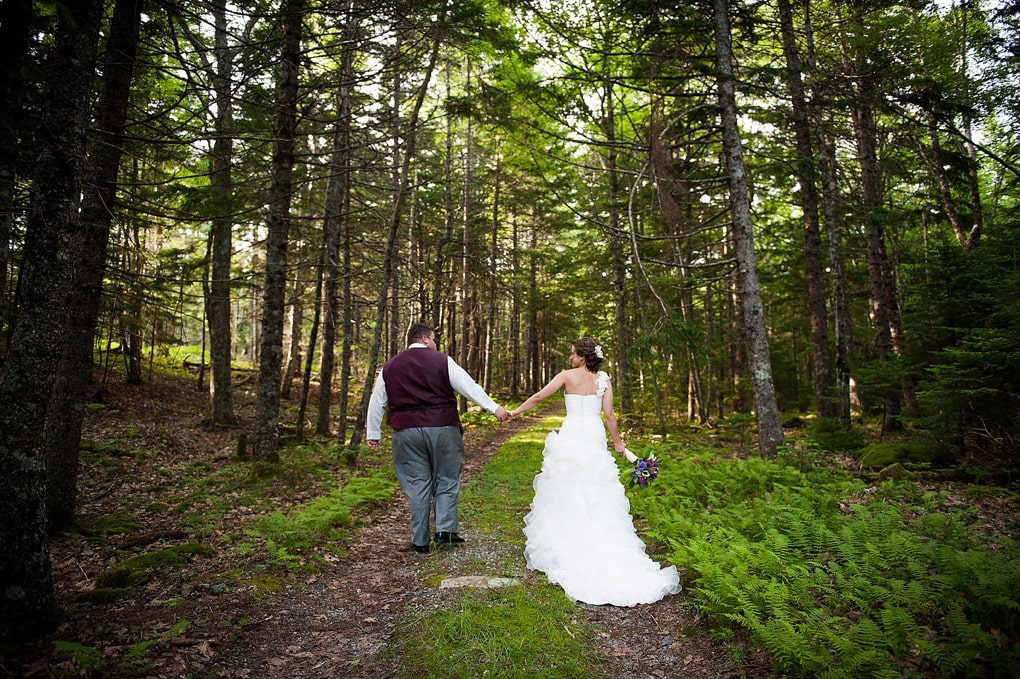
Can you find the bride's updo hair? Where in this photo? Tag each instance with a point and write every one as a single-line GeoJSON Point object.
{"type": "Point", "coordinates": [590, 352]}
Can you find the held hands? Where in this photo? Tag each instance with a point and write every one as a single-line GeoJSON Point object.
{"type": "Point", "coordinates": [503, 415]}
{"type": "Point", "coordinates": [373, 444]}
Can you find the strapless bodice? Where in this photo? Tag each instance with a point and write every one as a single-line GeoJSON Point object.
{"type": "Point", "coordinates": [583, 405]}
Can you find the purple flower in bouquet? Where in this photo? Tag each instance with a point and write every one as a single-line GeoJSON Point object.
{"type": "Point", "coordinates": [645, 471]}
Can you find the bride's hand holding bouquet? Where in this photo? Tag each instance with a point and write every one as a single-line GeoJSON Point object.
{"type": "Point", "coordinates": [645, 471]}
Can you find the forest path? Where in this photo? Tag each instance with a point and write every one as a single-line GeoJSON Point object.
{"type": "Point", "coordinates": [341, 621]}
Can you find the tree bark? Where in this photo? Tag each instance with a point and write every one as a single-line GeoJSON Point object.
{"type": "Point", "coordinates": [266, 437]}
{"type": "Point", "coordinates": [515, 315]}
{"type": "Point", "coordinates": [842, 329]}
{"type": "Point", "coordinates": [617, 259]}
{"type": "Point", "coordinates": [221, 185]}
{"type": "Point", "coordinates": [335, 223]}
{"type": "Point", "coordinates": [807, 176]}
{"type": "Point", "coordinates": [490, 321]}
{"type": "Point", "coordinates": [67, 411]}
{"type": "Point", "coordinates": [293, 337]}
{"type": "Point", "coordinates": [53, 255]}
{"type": "Point", "coordinates": [770, 430]}
{"type": "Point", "coordinates": [534, 354]}
{"type": "Point", "coordinates": [882, 297]}
{"type": "Point", "coordinates": [15, 30]}
{"type": "Point", "coordinates": [440, 281]}
{"type": "Point", "coordinates": [394, 227]}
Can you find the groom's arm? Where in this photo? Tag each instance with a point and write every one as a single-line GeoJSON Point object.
{"type": "Point", "coordinates": [376, 410]}
{"type": "Point", "coordinates": [466, 386]}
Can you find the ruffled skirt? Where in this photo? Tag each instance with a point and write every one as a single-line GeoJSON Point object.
{"type": "Point", "coordinates": [579, 530]}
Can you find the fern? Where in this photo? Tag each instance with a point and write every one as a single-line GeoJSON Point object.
{"type": "Point", "coordinates": [833, 581]}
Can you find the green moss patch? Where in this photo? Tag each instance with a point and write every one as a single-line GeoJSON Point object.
{"type": "Point", "coordinates": [881, 455]}
{"type": "Point", "coordinates": [136, 569]}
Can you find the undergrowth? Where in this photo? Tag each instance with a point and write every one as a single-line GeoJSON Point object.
{"type": "Point", "coordinates": [833, 578]}
{"type": "Point", "coordinates": [324, 520]}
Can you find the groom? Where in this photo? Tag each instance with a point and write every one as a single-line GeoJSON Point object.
{"type": "Point", "coordinates": [420, 387]}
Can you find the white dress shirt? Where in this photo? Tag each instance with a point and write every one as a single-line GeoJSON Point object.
{"type": "Point", "coordinates": [461, 382]}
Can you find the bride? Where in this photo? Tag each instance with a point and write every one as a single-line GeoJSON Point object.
{"type": "Point", "coordinates": [579, 531]}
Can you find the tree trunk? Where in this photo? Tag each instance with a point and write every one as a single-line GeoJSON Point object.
{"type": "Point", "coordinates": [265, 440]}
{"type": "Point", "coordinates": [770, 430]}
{"type": "Point", "coordinates": [842, 335]}
{"type": "Point", "coordinates": [334, 225]}
{"type": "Point", "coordinates": [977, 212]}
{"type": "Point", "coordinates": [293, 337]}
{"type": "Point", "coordinates": [534, 355]}
{"type": "Point", "coordinates": [490, 321]}
{"type": "Point", "coordinates": [966, 235]}
{"type": "Point", "coordinates": [618, 262]}
{"type": "Point", "coordinates": [313, 338]}
{"type": "Point", "coordinates": [842, 332]}
{"type": "Point", "coordinates": [67, 411]}
{"type": "Point", "coordinates": [821, 364]}
{"type": "Point", "coordinates": [467, 311]}
{"type": "Point", "coordinates": [15, 29]}
{"type": "Point", "coordinates": [882, 298]}
{"type": "Point", "coordinates": [515, 315]}
{"type": "Point", "coordinates": [440, 281]}
{"type": "Point", "coordinates": [346, 348]}
{"type": "Point", "coordinates": [221, 185]}
{"type": "Point", "coordinates": [53, 254]}
{"type": "Point", "coordinates": [410, 145]}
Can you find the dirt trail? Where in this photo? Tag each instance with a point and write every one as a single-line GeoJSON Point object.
{"type": "Point", "coordinates": [339, 624]}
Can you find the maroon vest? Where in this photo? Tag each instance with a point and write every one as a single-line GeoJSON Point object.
{"type": "Point", "coordinates": [418, 390]}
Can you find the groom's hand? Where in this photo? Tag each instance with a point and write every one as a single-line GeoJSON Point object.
{"type": "Point", "coordinates": [502, 414]}
{"type": "Point", "coordinates": [373, 444]}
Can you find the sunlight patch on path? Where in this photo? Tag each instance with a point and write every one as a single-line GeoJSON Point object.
{"type": "Point", "coordinates": [479, 581]}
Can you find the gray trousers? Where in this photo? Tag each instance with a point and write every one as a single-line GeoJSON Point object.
{"type": "Point", "coordinates": [428, 461]}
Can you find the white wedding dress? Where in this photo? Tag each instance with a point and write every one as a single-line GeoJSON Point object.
{"type": "Point", "coordinates": [579, 530]}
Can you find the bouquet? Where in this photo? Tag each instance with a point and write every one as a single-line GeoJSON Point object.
{"type": "Point", "coordinates": [644, 471]}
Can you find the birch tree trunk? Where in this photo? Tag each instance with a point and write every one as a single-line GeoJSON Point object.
{"type": "Point", "coordinates": [534, 358]}
{"type": "Point", "coordinates": [266, 437]}
{"type": "Point", "coordinates": [515, 315]}
{"type": "Point", "coordinates": [440, 281]}
{"type": "Point", "coordinates": [490, 321]}
{"type": "Point", "coordinates": [770, 430]}
{"type": "Point", "coordinates": [293, 336]}
{"type": "Point", "coordinates": [53, 253]}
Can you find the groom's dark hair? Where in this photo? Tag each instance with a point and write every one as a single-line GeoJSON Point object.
{"type": "Point", "coordinates": [418, 332]}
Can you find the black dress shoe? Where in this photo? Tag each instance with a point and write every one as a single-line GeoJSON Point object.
{"type": "Point", "coordinates": [421, 549]}
{"type": "Point", "coordinates": [444, 538]}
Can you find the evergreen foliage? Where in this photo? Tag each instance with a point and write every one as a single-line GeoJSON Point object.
{"type": "Point", "coordinates": [970, 387]}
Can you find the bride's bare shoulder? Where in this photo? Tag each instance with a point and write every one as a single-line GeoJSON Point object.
{"type": "Point", "coordinates": [577, 381]}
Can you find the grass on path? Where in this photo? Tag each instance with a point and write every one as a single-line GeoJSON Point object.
{"type": "Point", "coordinates": [529, 630]}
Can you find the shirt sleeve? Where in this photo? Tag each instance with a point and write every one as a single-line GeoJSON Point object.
{"type": "Point", "coordinates": [376, 410]}
{"type": "Point", "coordinates": [464, 385]}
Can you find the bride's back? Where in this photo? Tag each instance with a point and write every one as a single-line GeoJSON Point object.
{"type": "Point", "coordinates": [580, 381]}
